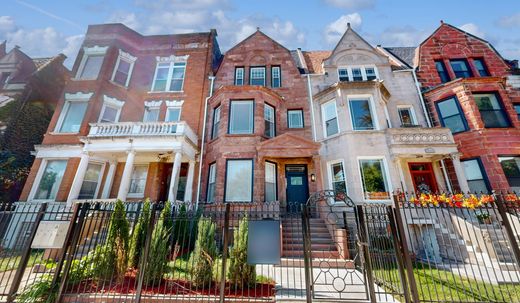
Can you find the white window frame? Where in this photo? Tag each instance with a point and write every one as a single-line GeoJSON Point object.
{"type": "Point", "coordinates": [38, 178]}
{"type": "Point", "coordinates": [251, 73]}
{"type": "Point", "coordinates": [363, 71]}
{"type": "Point", "coordinates": [130, 60]}
{"type": "Point", "coordinates": [215, 130]}
{"type": "Point", "coordinates": [173, 105]}
{"type": "Point", "coordinates": [90, 51]}
{"type": "Point", "coordinates": [330, 173]}
{"type": "Point", "coordinates": [152, 105]}
{"type": "Point", "coordinates": [237, 69]}
{"type": "Point", "coordinates": [279, 77]}
{"type": "Point", "coordinates": [412, 113]}
{"type": "Point", "coordinates": [112, 103]}
{"type": "Point", "coordinates": [172, 60]}
{"type": "Point", "coordinates": [386, 175]}
{"type": "Point", "coordinates": [138, 195]}
{"type": "Point", "coordinates": [212, 168]}
{"type": "Point", "coordinates": [226, 192]}
{"type": "Point", "coordinates": [289, 120]}
{"type": "Point", "coordinates": [275, 165]}
{"type": "Point", "coordinates": [323, 122]}
{"type": "Point", "coordinates": [372, 111]}
{"type": "Point", "coordinates": [100, 177]}
{"type": "Point", "coordinates": [231, 116]}
{"type": "Point", "coordinates": [69, 97]}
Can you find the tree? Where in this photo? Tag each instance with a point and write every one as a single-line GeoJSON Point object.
{"type": "Point", "coordinates": [139, 235]}
{"type": "Point", "coordinates": [240, 273]}
{"type": "Point", "coordinates": [159, 247]}
{"type": "Point", "coordinates": [204, 254]}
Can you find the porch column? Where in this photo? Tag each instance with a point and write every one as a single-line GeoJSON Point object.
{"type": "Point", "coordinates": [127, 176]}
{"type": "Point", "coordinates": [399, 167]}
{"type": "Point", "coordinates": [109, 180]}
{"type": "Point", "coordinates": [189, 181]}
{"type": "Point", "coordinates": [459, 171]}
{"type": "Point", "coordinates": [78, 179]}
{"type": "Point", "coordinates": [174, 182]}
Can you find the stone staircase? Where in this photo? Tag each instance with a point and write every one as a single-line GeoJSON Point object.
{"type": "Point", "coordinates": [322, 245]}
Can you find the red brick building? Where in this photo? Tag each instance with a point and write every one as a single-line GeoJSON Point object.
{"type": "Point", "coordinates": [128, 123]}
{"type": "Point", "coordinates": [469, 88]}
{"type": "Point", "coordinates": [259, 144]}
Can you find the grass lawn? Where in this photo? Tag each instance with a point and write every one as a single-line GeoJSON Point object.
{"type": "Point", "coordinates": [11, 262]}
{"type": "Point", "coordinates": [443, 286]}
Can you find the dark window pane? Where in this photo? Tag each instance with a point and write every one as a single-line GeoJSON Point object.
{"type": "Point", "coordinates": [332, 127]}
{"type": "Point", "coordinates": [455, 124]}
{"type": "Point", "coordinates": [481, 68]}
{"type": "Point", "coordinates": [356, 74]}
{"type": "Point", "coordinates": [511, 168]}
{"type": "Point", "coordinates": [121, 75]}
{"type": "Point", "coordinates": [517, 109]}
{"type": "Point", "coordinates": [275, 77]}
{"type": "Point", "coordinates": [361, 115]}
{"type": "Point", "coordinates": [491, 111]}
{"type": "Point", "coordinates": [92, 67]}
{"type": "Point", "coordinates": [451, 116]}
{"type": "Point", "coordinates": [441, 70]}
{"type": "Point", "coordinates": [343, 74]}
{"type": "Point", "coordinates": [460, 68]}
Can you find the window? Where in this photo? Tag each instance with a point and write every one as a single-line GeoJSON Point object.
{"type": "Point", "coordinates": [517, 109]}
{"type": "Point", "coordinates": [91, 62]}
{"type": "Point", "coordinates": [257, 76]}
{"type": "Point", "coordinates": [276, 77]}
{"type": "Point", "coordinates": [371, 73]}
{"type": "Point", "coordinates": [337, 176]}
{"type": "Point", "coordinates": [480, 67]}
{"type": "Point", "coordinates": [361, 114]}
{"type": "Point", "coordinates": [451, 115]}
{"type": "Point", "coordinates": [270, 182]}
{"type": "Point", "coordinates": [74, 111]}
{"type": "Point", "coordinates": [111, 110]}
{"type": "Point", "coordinates": [173, 114]}
{"type": "Point", "coordinates": [460, 68]}
{"type": "Point", "coordinates": [169, 77]}
{"type": "Point", "coordinates": [123, 68]}
{"type": "Point", "coordinates": [239, 181]}
{"type": "Point", "coordinates": [330, 118]}
{"type": "Point", "coordinates": [295, 118]}
{"type": "Point", "coordinates": [212, 179]}
{"type": "Point", "coordinates": [373, 175]}
{"type": "Point", "coordinates": [476, 181]}
{"type": "Point", "coordinates": [241, 117]}
{"type": "Point", "coordinates": [343, 74]}
{"type": "Point", "coordinates": [442, 72]}
{"type": "Point", "coordinates": [151, 114]}
{"type": "Point", "coordinates": [89, 188]}
{"type": "Point", "coordinates": [356, 74]}
{"type": "Point", "coordinates": [407, 116]}
{"type": "Point", "coordinates": [491, 111]}
{"type": "Point", "coordinates": [216, 122]}
{"type": "Point", "coordinates": [511, 167]}
{"type": "Point", "coordinates": [269, 121]}
{"type": "Point", "coordinates": [50, 180]}
{"type": "Point", "coordinates": [239, 76]}
{"type": "Point", "coordinates": [138, 181]}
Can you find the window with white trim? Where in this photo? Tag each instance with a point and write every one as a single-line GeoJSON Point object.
{"type": "Point", "coordinates": [295, 118]}
{"type": "Point", "coordinates": [241, 117]}
{"type": "Point", "coordinates": [239, 181]}
{"type": "Point", "coordinates": [357, 73]}
{"type": "Point", "coordinates": [91, 180]}
{"type": "Point", "coordinates": [257, 76]}
{"type": "Point", "coordinates": [474, 175]}
{"type": "Point", "coordinates": [330, 118]}
{"type": "Point", "coordinates": [276, 77]}
{"type": "Point", "coordinates": [212, 181]}
{"type": "Point", "coordinates": [50, 180]}
{"type": "Point", "coordinates": [123, 68]}
{"type": "Point", "coordinates": [111, 110]}
{"type": "Point", "coordinates": [361, 114]}
{"type": "Point", "coordinates": [406, 116]}
{"type": "Point", "coordinates": [138, 181]}
{"type": "Point", "coordinates": [270, 182]}
{"type": "Point", "coordinates": [72, 113]}
{"type": "Point", "coordinates": [337, 176]}
{"type": "Point", "coordinates": [269, 121]}
{"type": "Point", "coordinates": [91, 62]}
{"type": "Point", "coordinates": [151, 114]}
{"type": "Point", "coordinates": [173, 114]}
{"type": "Point", "coordinates": [374, 178]}
{"type": "Point", "coordinates": [216, 122]}
{"type": "Point", "coordinates": [169, 77]}
{"type": "Point", "coordinates": [239, 76]}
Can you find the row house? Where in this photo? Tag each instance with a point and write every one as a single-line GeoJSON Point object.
{"type": "Point", "coordinates": [374, 134]}
{"type": "Point", "coordinates": [128, 124]}
{"type": "Point", "coordinates": [259, 144]}
{"type": "Point", "coordinates": [470, 89]}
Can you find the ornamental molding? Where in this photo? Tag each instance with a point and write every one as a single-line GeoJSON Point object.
{"type": "Point", "coordinates": [172, 58]}
{"type": "Point", "coordinates": [422, 138]}
{"type": "Point", "coordinates": [174, 103]}
{"type": "Point", "coordinates": [153, 103]}
{"type": "Point", "coordinates": [126, 56]}
{"type": "Point", "coordinates": [79, 96]}
{"type": "Point", "coordinates": [95, 50]}
{"type": "Point", "coordinates": [113, 101]}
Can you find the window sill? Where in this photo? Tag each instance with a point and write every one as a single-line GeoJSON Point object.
{"type": "Point", "coordinates": [167, 92]}
{"type": "Point", "coordinates": [241, 135]}
{"type": "Point", "coordinates": [63, 134]}
{"type": "Point", "coordinates": [81, 79]}
{"type": "Point", "coordinates": [135, 196]}
{"type": "Point", "coordinates": [118, 85]}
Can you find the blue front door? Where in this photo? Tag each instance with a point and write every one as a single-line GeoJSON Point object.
{"type": "Point", "coordinates": [297, 186]}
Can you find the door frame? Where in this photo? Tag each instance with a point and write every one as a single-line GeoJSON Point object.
{"type": "Point", "coordinates": [305, 173]}
{"type": "Point", "coordinates": [429, 172]}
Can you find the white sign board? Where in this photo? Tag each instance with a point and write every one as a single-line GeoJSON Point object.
{"type": "Point", "coordinates": [50, 234]}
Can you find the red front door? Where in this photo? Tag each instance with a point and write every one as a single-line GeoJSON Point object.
{"type": "Point", "coordinates": [423, 177]}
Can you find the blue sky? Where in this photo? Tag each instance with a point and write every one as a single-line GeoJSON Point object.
{"type": "Point", "coordinates": [44, 28]}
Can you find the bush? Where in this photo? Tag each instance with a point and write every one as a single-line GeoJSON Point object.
{"type": "Point", "coordinates": [159, 247]}
{"type": "Point", "coordinates": [139, 236]}
{"type": "Point", "coordinates": [240, 273]}
{"type": "Point", "coordinates": [204, 253]}
{"type": "Point", "coordinates": [39, 292]}
{"type": "Point", "coordinates": [181, 231]}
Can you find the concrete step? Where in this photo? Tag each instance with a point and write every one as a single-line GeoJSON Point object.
{"type": "Point", "coordinates": [313, 240]}
{"type": "Point", "coordinates": [314, 254]}
{"type": "Point", "coordinates": [314, 246]}
{"type": "Point", "coordinates": [317, 262]}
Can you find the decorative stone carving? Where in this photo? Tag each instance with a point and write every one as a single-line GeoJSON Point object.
{"type": "Point", "coordinates": [172, 58]}
{"type": "Point", "coordinates": [79, 96]}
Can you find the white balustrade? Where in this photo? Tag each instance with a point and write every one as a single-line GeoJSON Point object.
{"type": "Point", "coordinates": [131, 129]}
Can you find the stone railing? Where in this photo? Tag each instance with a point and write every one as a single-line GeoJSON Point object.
{"type": "Point", "coordinates": [142, 129]}
{"type": "Point", "coordinates": [420, 135]}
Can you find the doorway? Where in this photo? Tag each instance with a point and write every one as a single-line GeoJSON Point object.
{"type": "Point", "coordinates": [423, 177]}
{"type": "Point", "coordinates": [297, 186]}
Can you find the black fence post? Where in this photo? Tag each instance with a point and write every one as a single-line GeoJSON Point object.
{"type": "Point", "coordinates": [144, 256]}
{"type": "Point", "coordinates": [71, 240]}
{"type": "Point", "coordinates": [26, 253]}
{"type": "Point", "coordinates": [307, 253]}
{"type": "Point", "coordinates": [224, 254]}
{"type": "Point", "coordinates": [509, 230]}
{"type": "Point", "coordinates": [363, 243]}
{"type": "Point", "coordinates": [406, 254]}
{"type": "Point", "coordinates": [399, 253]}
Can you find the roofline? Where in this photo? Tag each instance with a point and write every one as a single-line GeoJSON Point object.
{"type": "Point", "coordinates": [392, 55]}
{"type": "Point", "coordinates": [250, 36]}
{"type": "Point", "coordinates": [344, 34]}
{"type": "Point", "coordinates": [211, 31]}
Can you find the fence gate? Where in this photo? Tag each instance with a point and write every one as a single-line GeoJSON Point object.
{"type": "Point", "coordinates": [337, 266]}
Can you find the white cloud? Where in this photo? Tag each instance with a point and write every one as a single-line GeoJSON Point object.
{"type": "Point", "coordinates": [6, 24]}
{"type": "Point", "coordinates": [402, 36]}
{"type": "Point", "coordinates": [351, 4]}
{"type": "Point", "coordinates": [473, 29]}
{"type": "Point", "coordinates": [509, 21]}
{"type": "Point", "coordinates": [335, 30]}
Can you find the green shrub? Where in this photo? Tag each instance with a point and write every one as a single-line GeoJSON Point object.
{"type": "Point", "coordinates": [80, 270]}
{"type": "Point", "coordinates": [139, 236]}
{"type": "Point", "coordinates": [159, 247]}
{"type": "Point", "coordinates": [240, 273]}
{"type": "Point", "coordinates": [41, 291]}
{"type": "Point", "coordinates": [181, 230]}
{"type": "Point", "coordinates": [204, 254]}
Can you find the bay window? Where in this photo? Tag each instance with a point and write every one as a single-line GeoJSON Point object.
{"type": "Point", "coordinates": [330, 118]}
{"type": "Point", "coordinates": [212, 179]}
{"type": "Point", "coordinates": [361, 114]}
{"type": "Point", "coordinates": [373, 175]}
{"type": "Point", "coordinates": [474, 175]}
{"type": "Point", "coordinates": [241, 117]}
{"type": "Point", "coordinates": [511, 167]}
{"type": "Point", "coordinates": [270, 182]}
{"type": "Point", "coordinates": [451, 115]}
{"type": "Point", "coordinates": [337, 176]}
{"type": "Point", "coordinates": [269, 121]}
{"type": "Point", "coordinates": [239, 181]}
{"type": "Point", "coordinates": [216, 122]}
{"type": "Point", "coordinates": [491, 110]}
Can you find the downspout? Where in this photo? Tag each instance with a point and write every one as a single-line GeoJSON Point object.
{"type": "Point", "coordinates": [201, 156]}
{"type": "Point", "coordinates": [311, 104]}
